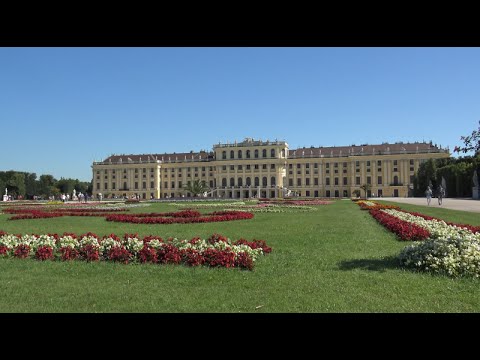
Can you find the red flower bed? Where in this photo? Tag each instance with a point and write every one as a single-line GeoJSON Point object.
{"type": "Point", "coordinates": [44, 213]}
{"type": "Point", "coordinates": [21, 251]}
{"type": "Point", "coordinates": [183, 217]}
{"type": "Point", "coordinates": [44, 253]}
{"type": "Point", "coordinates": [119, 254]}
{"type": "Point", "coordinates": [404, 229]}
{"type": "Point", "coordinates": [68, 253]}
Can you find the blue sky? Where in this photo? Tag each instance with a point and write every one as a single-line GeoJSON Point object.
{"type": "Point", "coordinates": [63, 108]}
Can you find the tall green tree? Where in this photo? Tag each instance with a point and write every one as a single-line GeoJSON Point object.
{"type": "Point", "coordinates": [31, 185]}
{"type": "Point", "coordinates": [196, 187]}
{"type": "Point", "coordinates": [470, 142]}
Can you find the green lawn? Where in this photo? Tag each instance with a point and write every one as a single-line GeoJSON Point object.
{"type": "Point", "coordinates": [336, 259]}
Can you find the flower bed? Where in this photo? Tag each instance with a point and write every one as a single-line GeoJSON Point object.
{"type": "Point", "coordinates": [181, 217]}
{"type": "Point", "coordinates": [447, 248]}
{"type": "Point", "coordinates": [43, 213]}
{"type": "Point", "coordinates": [215, 251]}
{"type": "Point", "coordinates": [371, 205]}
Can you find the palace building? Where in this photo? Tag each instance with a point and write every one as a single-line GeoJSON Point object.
{"type": "Point", "coordinates": [255, 168]}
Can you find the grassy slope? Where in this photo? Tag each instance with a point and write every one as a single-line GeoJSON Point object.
{"type": "Point", "coordinates": [337, 259]}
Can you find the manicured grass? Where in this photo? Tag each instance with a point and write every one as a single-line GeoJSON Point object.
{"type": "Point", "coordinates": [336, 259]}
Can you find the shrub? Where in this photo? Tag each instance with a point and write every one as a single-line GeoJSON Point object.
{"type": "Point", "coordinates": [450, 256]}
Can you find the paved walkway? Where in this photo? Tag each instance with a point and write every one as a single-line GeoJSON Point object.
{"type": "Point", "coordinates": [464, 204]}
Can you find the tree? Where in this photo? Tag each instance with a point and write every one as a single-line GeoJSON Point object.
{"type": "Point", "coordinates": [196, 187]}
{"type": "Point", "coordinates": [366, 188]}
{"type": "Point", "coordinates": [356, 192]}
{"type": "Point", "coordinates": [470, 142]}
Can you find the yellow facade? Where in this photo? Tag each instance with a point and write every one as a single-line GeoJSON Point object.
{"type": "Point", "coordinates": [255, 168]}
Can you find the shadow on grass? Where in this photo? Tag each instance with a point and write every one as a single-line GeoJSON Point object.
{"type": "Point", "coordinates": [389, 262]}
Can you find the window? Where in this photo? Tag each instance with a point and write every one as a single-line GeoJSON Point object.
{"type": "Point", "coordinates": [411, 162]}
{"type": "Point", "coordinates": [144, 185]}
{"type": "Point", "coordinates": [327, 166]}
{"type": "Point", "coordinates": [357, 163]}
{"type": "Point", "coordinates": [307, 181]}
{"type": "Point", "coordinates": [344, 164]}
{"type": "Point", "coordinates": [379, 180]}
{"type": "Point", "coordinates": [224, 182]}
{"type": "Point", "coordinates": [173, 185]}
{"type": "Point", "coordinates": [336, 181]}
{"type": "Point", "coordinates": [335, 165]}
{"type": "Point", "coordinates": [395, 180]}
{"type": "Point", "coordinates": [272, 166]}
{"type": "Point", "coordinates": [379, 163]}
{"type": "Point", "coordinates": [232, 167]}
{"type": "Point", "coordinates": [298, 166]}
{"type": "Point", "coordinates": [307, 193]}
{"type": "Point", "coordinates": [136, 184]}
{"type": "Point", "coordinates": [272, 180]}
{"type": "Point", "coordinates": [307, 166]}
{"type": "Point", "coordinates": [315, 181]}
{"type": "Point", "coordinates": [256, 154]}
{"type": "Point", "coordinates": [264, 153]}
{"type": "Point", "coordinates": [152, 184]}
{"type": "Point", "coordinates": [240, 181]}
{"type": "Point", "coordinates": [264, 180]}
{"type": "Point", "coordinates": [106, 186]}
{"type": "Point", "coordinates": [248, 181]}
{"type": "Point", "coordinates": [240, 167]}
{"type": "Point", "coordinates": [264, 166]}
{"type": "Point", "coordinates": [224, 155]}
{"type": "Point", "coordinates": [113, 186]}
{"type": "Point", "coordinates": [368, 162]}
{"type": "Point", "coordinates": [248, 154]}
{"type": "Point", "coordinates": [327, 193]}
{"type": "Point", "coordinates": [248, 167]}
{"type": "Point", "coordinates": [239, 154]}
{"type": "Point", "coordinates": [327, 181]}
{"type": "Point", "coordinates": [257, 181]}
{"type": "Point", "coordinates": [412, 168]}
{"type": "Point", "coordinates": [395, 162]}
{"type": "Point", "coordinates": [299, 182]}
{"type": "Point", "coordinates": [224, 167]}
{"type": "Point", "coordinates": [315, 165]}
{"type": "Point", "coordinates": [272, 153]}
{"type": "Point", "coordinates": [290, 182]}
{"type": "Point", "coordinates": [255, 166]}
{"type": "Point", "coordinates": [395, 169]}
{"type": "Point", "coordinates": [136, 171]}
{"type": "Point", "coordinates": [290, 166]}
{"type": "Point", "coordinates": [369, 180]}
{"type": "Point", "coordinates": [98, 186]}
{"type": "Point", "coordinates": [232, 181]}
{"type": "Point", "coordinates": [232, 154]}
{"type": "Point", "coordinates": [345, 181]}
{"type": "Point", "coordinates": [357, 180]}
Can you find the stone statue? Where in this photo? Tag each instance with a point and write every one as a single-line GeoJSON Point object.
{"type": "Point", "coordinates": [475, 179]}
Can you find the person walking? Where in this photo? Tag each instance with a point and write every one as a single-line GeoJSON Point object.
{"type": "Point", "coordinates": [428, 193]}
{"type": "Point", "coordinates": [441, 194]}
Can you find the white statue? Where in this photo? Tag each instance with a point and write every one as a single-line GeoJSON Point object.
{"type": "Point", "coordinates": [6, 191]}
